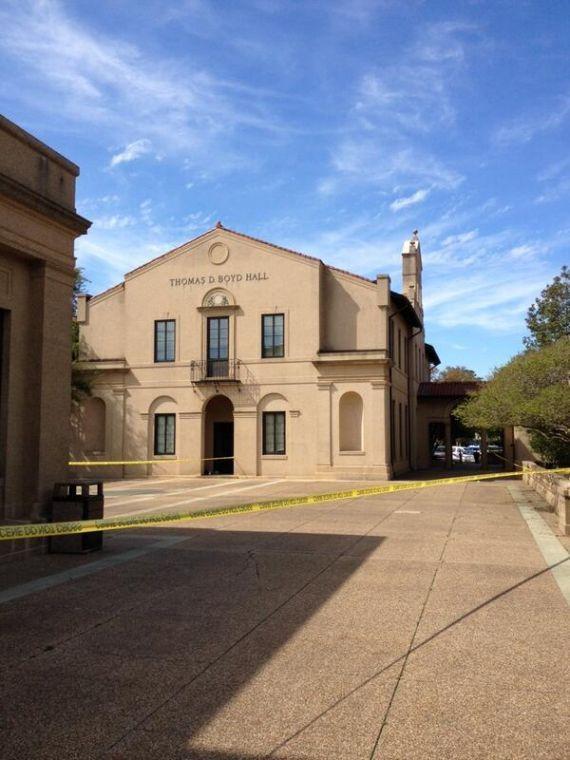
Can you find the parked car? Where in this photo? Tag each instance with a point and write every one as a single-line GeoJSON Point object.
{"type": "Point", "coordinates": [458, 453]}
{"type": "Point", "coordinates": [439, 452]}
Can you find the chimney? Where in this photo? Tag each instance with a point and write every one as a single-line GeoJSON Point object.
{"type": "Point", "coordinates": [383, 290]}
{"type": "Point", "coordinates": [412, 272]}
{"type": "Point", "coordinates": [82, 315]}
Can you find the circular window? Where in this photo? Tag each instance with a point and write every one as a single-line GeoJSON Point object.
{"type": "Point", "coordinates": [218, 253]}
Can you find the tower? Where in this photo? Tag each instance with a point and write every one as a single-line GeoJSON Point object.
{"type": "Point", "coordinates": [412, 272]}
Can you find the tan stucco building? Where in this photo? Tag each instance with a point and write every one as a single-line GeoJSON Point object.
{"type": "Point", "coordinates": [229, 346]}
{"type": "Point", "coordinates": [38, 227]}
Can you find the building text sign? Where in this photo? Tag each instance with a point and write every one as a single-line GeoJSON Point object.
{"type": "Point", "coordinates": [219, 279]}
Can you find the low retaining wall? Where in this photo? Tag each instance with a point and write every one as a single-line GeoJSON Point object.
{"type": "Point", "coordinates": [554, 489]}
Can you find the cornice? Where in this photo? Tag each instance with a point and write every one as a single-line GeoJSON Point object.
{"type": "Point", "coordinates": [21, 194]}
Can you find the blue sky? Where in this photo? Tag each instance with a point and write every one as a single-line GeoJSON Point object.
{"type": "Point", "coordinates": [334, 127]}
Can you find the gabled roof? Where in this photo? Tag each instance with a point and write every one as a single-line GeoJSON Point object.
{"type": "Point", "coordinates": [219, 226]}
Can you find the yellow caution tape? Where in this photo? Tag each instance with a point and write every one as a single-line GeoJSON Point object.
{"type": "Point", "coordinates": [44, 530]}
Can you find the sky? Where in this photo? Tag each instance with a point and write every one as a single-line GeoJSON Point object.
{"type": "Point", "coordinates": [333, 127]}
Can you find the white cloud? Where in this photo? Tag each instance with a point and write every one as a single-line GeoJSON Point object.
{"type": "Point", "coordinates": [198, 221]}
{"type": "Point", "coordinates": [459, 238]}
{"type": "Point", "coordinates": [524, 251]}
{"type": "Point", "coordinates": [410, 200]}
{"type": "Point", "coordinates": [327, 186]}
{"type": "Point", "coordinates": [395, 107]}
{"type": "Point", "coordinates": [132, 151]}
{"type": "Point", "coordinates": [101, 82]}
{"type": "Point", "coordinates": [524, 129]}
{"type": "Point", "coordinates": [115, 222]}
{"type": "Point", "coordinates": [370, 162]}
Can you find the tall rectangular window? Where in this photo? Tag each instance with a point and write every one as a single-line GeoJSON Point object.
{"type": "Point", "coordinates": [164, 433]}
{"type": "Point", "coordinates": [400, 432]}
{"type": "Point", "coordinates": [399, 348]}
{"type": "Point", "coordinates": [218, 346]}
{"type": "Point", "coordinates": [164, 340]}
{"type": "Point", "coordinates": [273, 432]}
{"type": "Point", "coordinates": [272, 335]}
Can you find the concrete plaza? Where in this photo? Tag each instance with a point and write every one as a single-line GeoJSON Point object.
{"type": "Point", "coordinates": [422, 624]}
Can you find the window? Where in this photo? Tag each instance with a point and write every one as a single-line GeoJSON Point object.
{"type": "Point", "coordinates": [391, 338]}
{"type": "Point", "coordinates": [164, 433]}
{"type": "Point", "coordinates": [273, 432]}
{"type": "Point", "coordinates": [272, 335]}
{"type": "Point", "coordinates": [218, 346]}
{"type": "Point", "coordinates": [164, 332]}
{"type": "Point", "coordinates": [399, 348]}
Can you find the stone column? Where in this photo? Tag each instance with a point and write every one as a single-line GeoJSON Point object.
{"type": "Point", "coordinates": [323, 433]}
{"type": "Point", "coordinates": [49, 392]}
{"type": "Point", "coordinates": [245, 442]}
{"type": "Point", "coordinates": [190, 437]}
{"type": "Point", "coordinates": [381, 448]}
{"type": "Point", "coordinates": [448, 444]}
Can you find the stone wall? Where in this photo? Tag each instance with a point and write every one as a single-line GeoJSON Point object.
{"type": "Point", "coordinates": [554, 489]}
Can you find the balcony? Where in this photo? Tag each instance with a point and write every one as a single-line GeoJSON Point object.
{"type": "Point", "coordinates": [216, 371]}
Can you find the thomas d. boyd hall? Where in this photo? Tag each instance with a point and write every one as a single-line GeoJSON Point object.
{"type": "Point", "coordinates": [233, 355]}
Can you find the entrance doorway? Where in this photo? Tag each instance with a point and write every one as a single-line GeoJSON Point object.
{"type": "Point", "coordinates": [219, 436]}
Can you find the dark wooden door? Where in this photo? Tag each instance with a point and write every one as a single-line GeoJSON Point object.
{"type": "Point", "coordinates": [223, 447]}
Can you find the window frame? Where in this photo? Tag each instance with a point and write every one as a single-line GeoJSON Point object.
{"type": "Point", "coordinates": [264, 434]}
{"type": "Point", "coordinates": [166, 360]}
{"type": "Point", "coordinates": [165, 453]}
{"type": "Point", "coordinates": [273, 355]}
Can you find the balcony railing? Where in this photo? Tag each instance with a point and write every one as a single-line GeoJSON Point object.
{"type": "Point", "coordinates": [215, 371]}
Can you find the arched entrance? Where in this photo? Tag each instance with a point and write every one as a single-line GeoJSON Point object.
{"type": "Point", "coordinates": [445, 442]}
{"type": "Point", "coordinates": [219, 436]}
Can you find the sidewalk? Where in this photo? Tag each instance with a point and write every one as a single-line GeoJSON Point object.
{"type": "Point", "coordinates": [420, 624]}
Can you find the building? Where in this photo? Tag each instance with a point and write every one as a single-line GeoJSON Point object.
{"type": "Point", "coordinates": [233, 355]}
{"type": "Point", "coordinates": [38, 227]}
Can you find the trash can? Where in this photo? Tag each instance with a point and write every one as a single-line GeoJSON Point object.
{"type": "Point", "coordinates": [77, 500]}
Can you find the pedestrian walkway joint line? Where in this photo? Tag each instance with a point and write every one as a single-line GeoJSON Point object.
{"type": "Point", "coordinates": [550, 547]}
{"type": "Point", "coordinates": [49, 581]}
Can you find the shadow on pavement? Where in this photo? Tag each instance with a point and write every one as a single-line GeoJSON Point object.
{"type": "Point", "coordinates": [185, 626]}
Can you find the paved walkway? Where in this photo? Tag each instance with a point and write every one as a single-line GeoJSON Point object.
{"type": "Point", "coordinates": [415, 625]}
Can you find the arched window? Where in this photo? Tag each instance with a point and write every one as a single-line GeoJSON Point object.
{"type": "Point", "coordinates": [350, 422]}
{"type": "Point", "coordinates": [94, 425]}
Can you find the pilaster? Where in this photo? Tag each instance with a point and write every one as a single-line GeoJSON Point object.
{"type": "Point", "coordinates": [245, 442]}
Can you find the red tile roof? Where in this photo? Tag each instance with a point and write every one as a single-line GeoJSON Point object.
{"type": "Point", "coordinates": [447, 390]}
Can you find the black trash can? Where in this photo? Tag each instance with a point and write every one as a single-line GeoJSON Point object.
{"type": "Point", "coordinates": [77, 500]}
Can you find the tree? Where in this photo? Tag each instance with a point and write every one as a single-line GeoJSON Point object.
{"type": "Point", "coordinates": [80, 379]}
{"type": "Point", "coordinates": [548, 319]}
{"type": "Point", "coordinates": [532, 391]}
{"type": "Point", "coordinates": [455, 374]}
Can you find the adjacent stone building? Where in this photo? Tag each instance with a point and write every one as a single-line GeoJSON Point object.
{"type": "Point", "coordinates": [233, 355]}
{"type": "Point", "coordinates": [38, 227]}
